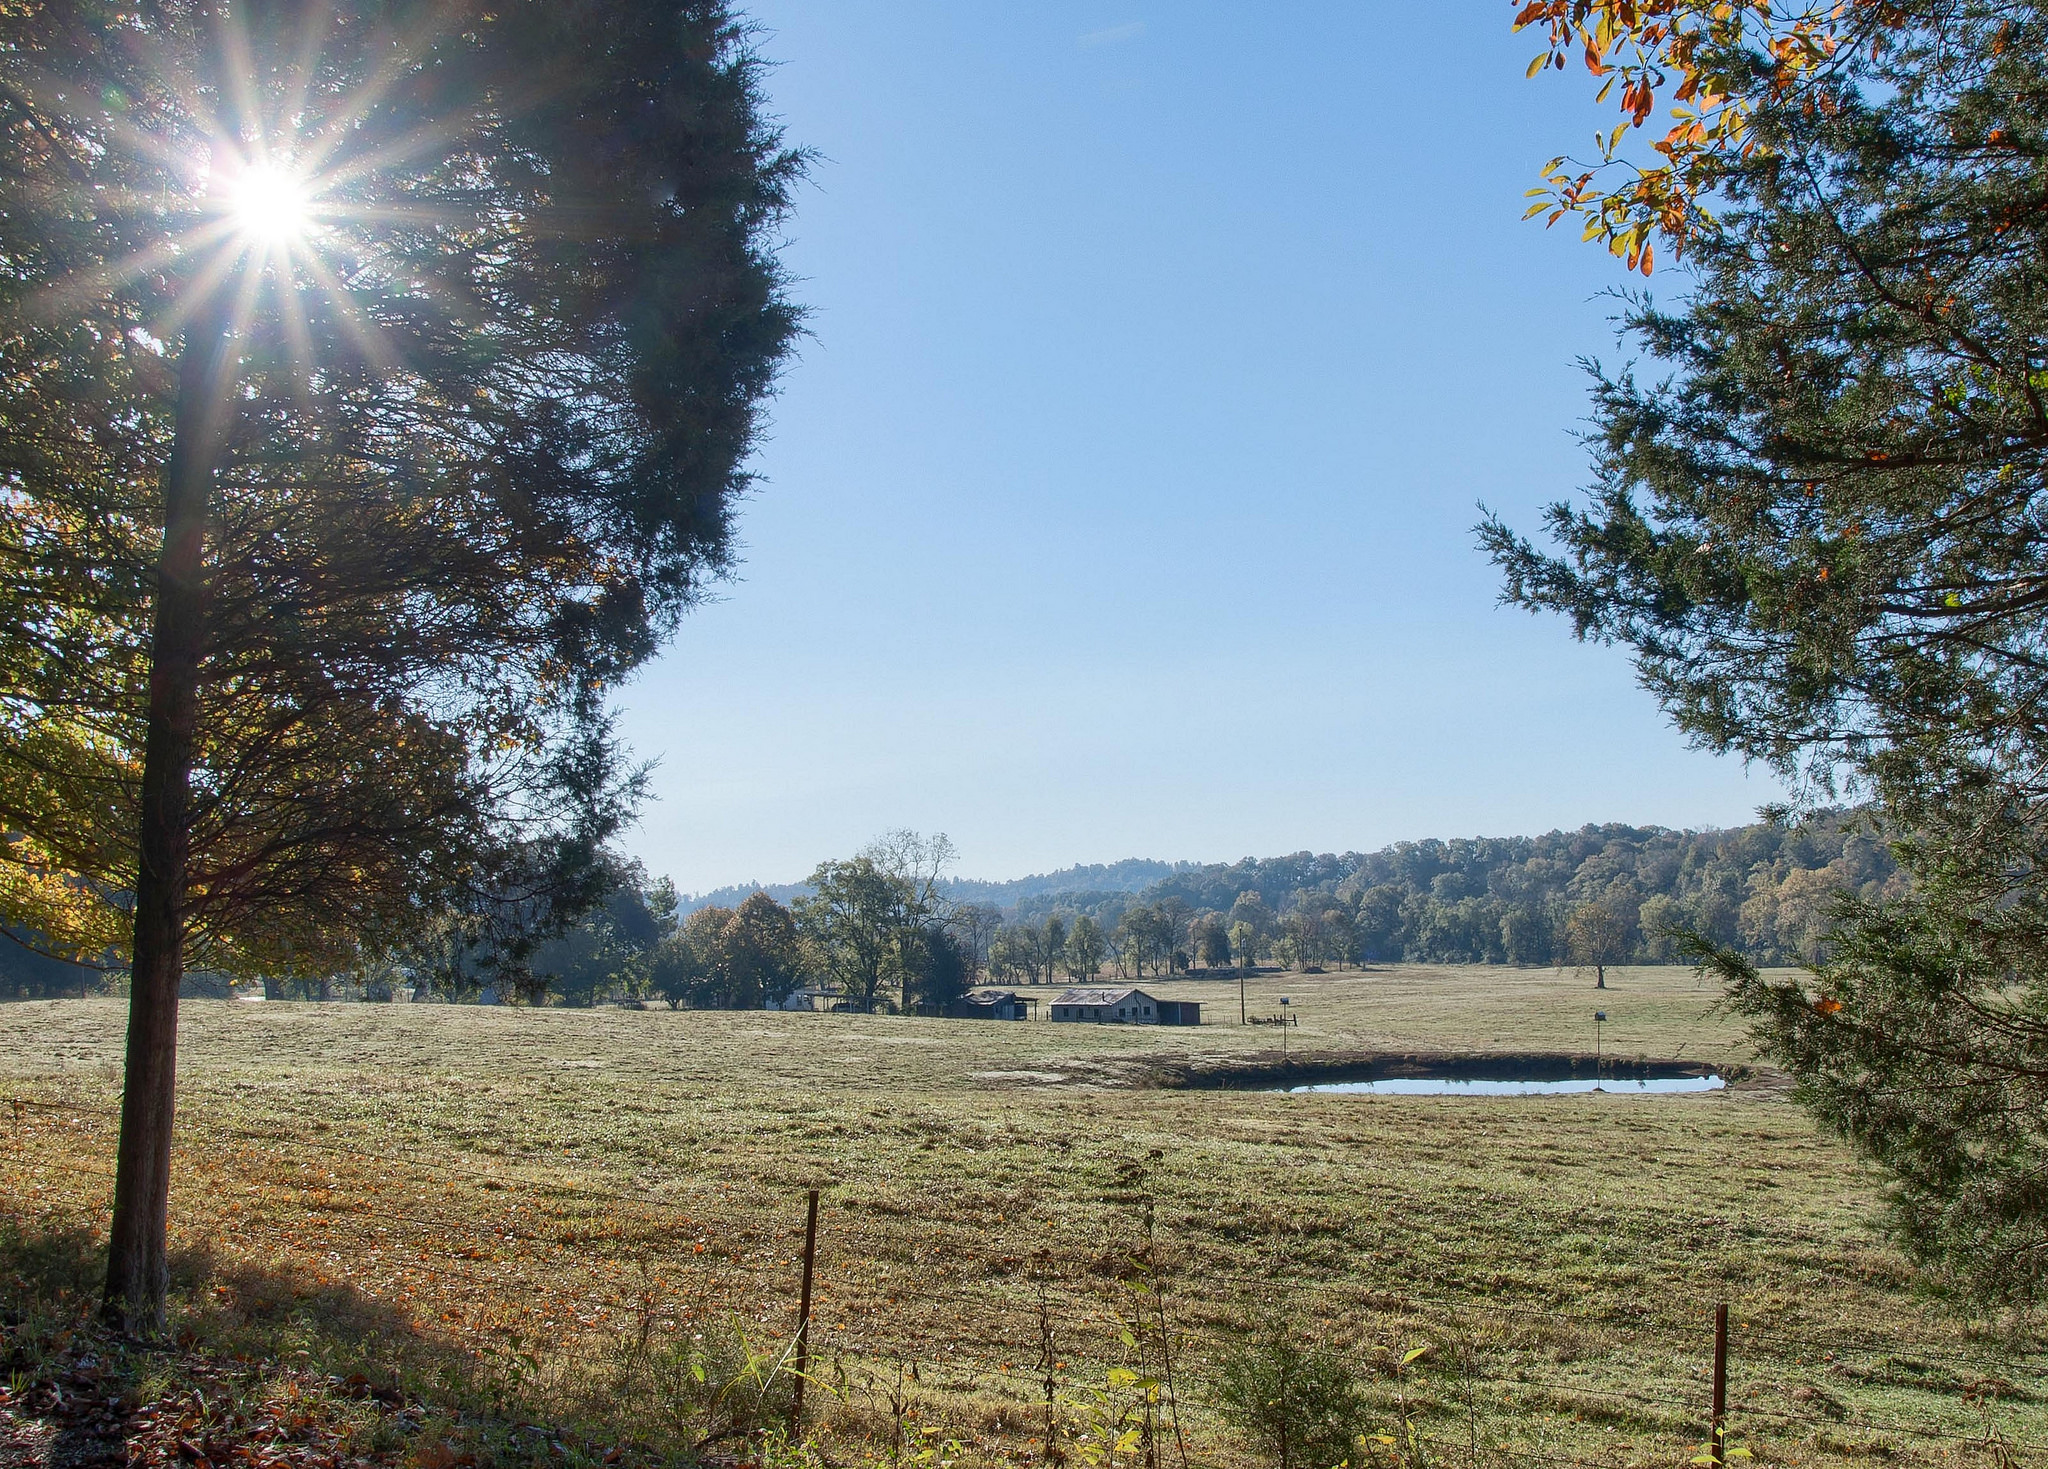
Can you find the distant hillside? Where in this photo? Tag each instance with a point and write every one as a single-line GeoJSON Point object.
{"type": "Point", "coordinates": [1763, 888]}
{"type": "Point", "coordinates": [739, 892]}
{"type": "Point", "coordinates": [1094, 880]}
{"type": "Point", "coordinates": [1132, 875]}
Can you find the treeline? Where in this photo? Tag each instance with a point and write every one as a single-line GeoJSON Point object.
{"type": "Point", "coordinates": [1602, 894]}
{"type": "Point", "coordinates": [885, 929]}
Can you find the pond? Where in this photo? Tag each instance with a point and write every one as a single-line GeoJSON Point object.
{"type": "Point", "coordinates": [1483, 1086]}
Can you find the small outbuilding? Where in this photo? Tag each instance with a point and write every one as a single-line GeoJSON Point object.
{"type": "Point", "coordinates": [1116, 1006]}
{"type": "Point", "coordinates": [991, 1004]}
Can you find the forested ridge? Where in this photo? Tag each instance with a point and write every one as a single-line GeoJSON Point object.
{"type": "Point", "coordinates": [1763, 888]}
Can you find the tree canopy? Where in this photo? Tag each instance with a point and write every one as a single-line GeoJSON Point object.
{"type": "Point", "coordinates": [490, 412]}
{"type": "Point", "coordinates": [1717, 64]}
{"type": "Point", "coordinates": [854, 920]}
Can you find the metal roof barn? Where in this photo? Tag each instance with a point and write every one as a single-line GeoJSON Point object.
{"type": "Point", "coordinates": [1122, 1006]}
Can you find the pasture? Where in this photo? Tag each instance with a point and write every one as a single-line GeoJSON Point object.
{"type": "Point", "coordinates": [540, 1208]}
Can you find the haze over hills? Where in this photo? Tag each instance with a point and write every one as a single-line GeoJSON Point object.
{"type": "Point", "coordinates": [1132, 875]}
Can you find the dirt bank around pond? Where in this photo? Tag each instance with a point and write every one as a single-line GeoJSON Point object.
{"type": "Point", "coordinates": [1269, 1070]}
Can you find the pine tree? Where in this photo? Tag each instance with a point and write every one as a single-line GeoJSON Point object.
{"type": "Point", "coordinates": [1818, 523]}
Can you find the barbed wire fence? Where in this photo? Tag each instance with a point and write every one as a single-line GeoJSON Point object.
{"type": "Point", "coordinates": [986, 1351]}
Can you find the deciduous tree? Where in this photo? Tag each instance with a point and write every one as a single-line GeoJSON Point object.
{"type": "Point", "coordinates": [1052, 944]}
{"type": "Point", "coordinates": [1210, 940]}
{"type": "Point", "coordinates": [759, 950]}
{"type": "Point", "coordinates": [1251, 910]}
{"type": "Point", "coordinates": [1144, 936]}
{"type": "Point", "coordinates": [1595, 936]}
{"type": "Point", "coordinates": [853, 917]}
{"type": "Point", "coordinates": [976, 926]}
{"type": "Point", "coordinates": [1086, 948]}
{"type": "Point", "coordinates": [677, 967]}
{"type": "Point", "coordinates": [1717, 65]}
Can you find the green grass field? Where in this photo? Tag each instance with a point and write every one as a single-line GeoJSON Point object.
{"type": "Point", "coordinates": [529, 1198]}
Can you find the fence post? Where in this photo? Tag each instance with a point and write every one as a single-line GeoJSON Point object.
{"type": "Point", "coordinates": [1717, 1433]}
{"type": "Point", "coordinates": [803, 1310]}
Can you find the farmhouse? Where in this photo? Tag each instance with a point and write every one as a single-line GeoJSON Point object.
{"type": "Point", "coordinates": [1124, 1007]}
{"type": "Point", "coordinates": [988, 1004]}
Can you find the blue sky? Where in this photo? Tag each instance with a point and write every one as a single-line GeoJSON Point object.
{"type": "Point", "coordinates": [1120, 502]}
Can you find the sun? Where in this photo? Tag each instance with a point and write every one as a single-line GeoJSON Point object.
{"type": "Point", "coordinates": [269, 204]}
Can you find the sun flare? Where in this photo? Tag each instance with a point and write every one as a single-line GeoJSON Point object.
{"type": "Point", "coordinates": [269, 204]}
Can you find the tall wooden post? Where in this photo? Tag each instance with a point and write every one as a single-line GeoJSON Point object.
{"type": "Point", "coordinates": [803, 1310]}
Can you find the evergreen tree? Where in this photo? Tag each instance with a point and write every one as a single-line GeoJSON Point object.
{"type": "Point", "coordinates": [1819, 526]}
{"type": "Point", "coordinates": [935, 971]}
{"type": "Point", "coordinates": [378, 383]}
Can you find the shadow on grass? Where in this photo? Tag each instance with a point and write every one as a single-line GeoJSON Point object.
{"type": "Point", "coordinates": [355, 1374]}
{"type": "Point", "coordinates": [52, 1275]}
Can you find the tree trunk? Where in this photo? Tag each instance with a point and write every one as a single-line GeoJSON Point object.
{"type": "Point", "coordinates": [137, 1268]}
{"type": "Point", "coordinates": [1599, 976]}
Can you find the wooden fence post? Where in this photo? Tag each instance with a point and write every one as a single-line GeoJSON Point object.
{"type": "Point", "coordinates": [1718, 1430]}
{"type": "Point", "coordinates": [803, 1310]}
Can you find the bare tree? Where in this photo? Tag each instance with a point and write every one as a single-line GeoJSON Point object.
{"type": "Point", "coordinates": [1595, 936]}
{"type": "Point", "coordinates": [919, 862]}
